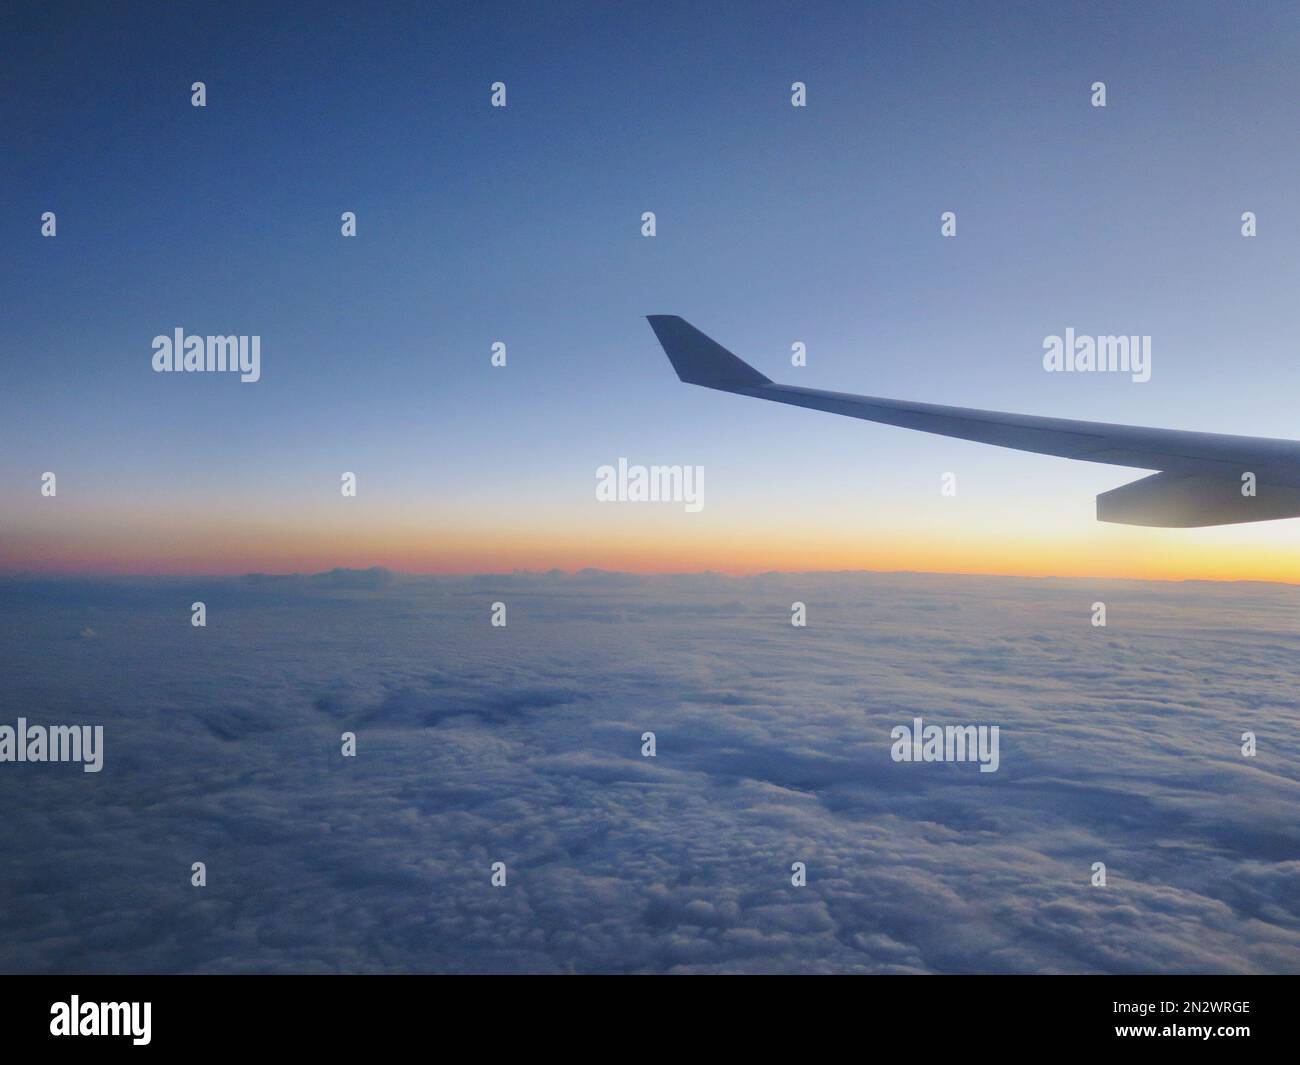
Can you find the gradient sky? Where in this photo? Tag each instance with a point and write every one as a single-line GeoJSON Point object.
{"type": "Point", "coordinates": [523, 225]}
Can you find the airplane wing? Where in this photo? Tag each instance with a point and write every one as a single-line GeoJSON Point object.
{"type": "Point", "coordinates": [1200, 479]}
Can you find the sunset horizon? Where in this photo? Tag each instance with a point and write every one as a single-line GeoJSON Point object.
{"type": "Point", "coordinates": [1154, 555]}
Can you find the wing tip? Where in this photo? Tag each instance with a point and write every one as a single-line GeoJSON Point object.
{"type": "Point", "coordinates": [699, 359]}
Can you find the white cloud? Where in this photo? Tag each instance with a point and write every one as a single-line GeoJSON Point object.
{"type": "Point", "coordinates": [523, 745]}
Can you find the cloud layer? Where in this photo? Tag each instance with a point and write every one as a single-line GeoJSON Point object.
{"type": "Point", "coordinates": [523, 745]}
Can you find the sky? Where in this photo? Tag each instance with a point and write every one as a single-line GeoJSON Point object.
{"type": "Point", "coordinates": [522, 225]}
{"type": "Point", "coordinates": [523, 745]}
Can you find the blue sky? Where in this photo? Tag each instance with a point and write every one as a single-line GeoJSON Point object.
{"type": "Point", "coordinates": [521, 224]}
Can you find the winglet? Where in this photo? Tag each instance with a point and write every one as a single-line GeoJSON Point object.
{"type": "Point", "coordinates": [699, 360]}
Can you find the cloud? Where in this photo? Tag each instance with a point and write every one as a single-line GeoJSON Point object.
{"type": "Point", "coordinates": [523, 745]}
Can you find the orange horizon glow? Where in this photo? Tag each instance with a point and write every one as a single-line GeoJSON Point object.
{"type": "Point", "coordinates": [462, 548]}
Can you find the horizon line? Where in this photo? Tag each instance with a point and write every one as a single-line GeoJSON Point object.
{"type": "Point", "coordinates": [35, 576]}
